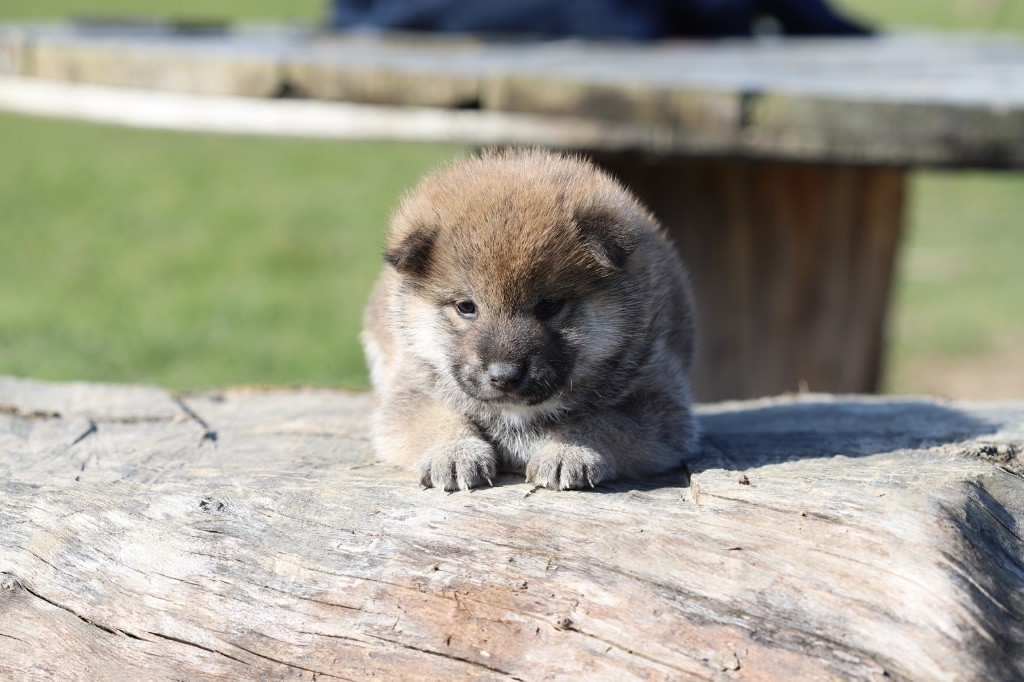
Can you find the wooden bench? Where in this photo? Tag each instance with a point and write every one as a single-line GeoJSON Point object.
{"type": "Point", "coordinates": [779, 167]}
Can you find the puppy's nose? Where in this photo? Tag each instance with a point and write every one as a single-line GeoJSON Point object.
{"type": "Point", "coordinates": [504, 374]}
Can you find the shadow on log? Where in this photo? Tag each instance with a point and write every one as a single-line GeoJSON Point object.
{"type": "Point", "coordinates": [247, 534]}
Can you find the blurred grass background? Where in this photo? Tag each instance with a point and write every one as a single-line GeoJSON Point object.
{"type": "Point", "coordinates": [197, 260]}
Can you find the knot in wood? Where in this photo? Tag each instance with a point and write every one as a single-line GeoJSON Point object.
{"type": "Point", "coordinates": [724, 661]}
{"type": "Point", "coordinates": [564, 623]}
{"type": "Point", "coordinates": [210, 504]}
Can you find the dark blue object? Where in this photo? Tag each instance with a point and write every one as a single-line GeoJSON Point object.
{"type": "Point", "coordinates": [624, 19]}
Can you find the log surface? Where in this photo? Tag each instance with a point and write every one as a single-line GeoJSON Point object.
{"type": "Point", "coordinates": [249, 534]}
{"type": "Point", "coordinates": [895, 100]}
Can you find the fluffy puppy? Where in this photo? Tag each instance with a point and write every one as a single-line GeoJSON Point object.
{"type": "Point", "coordinates": [533, 317]}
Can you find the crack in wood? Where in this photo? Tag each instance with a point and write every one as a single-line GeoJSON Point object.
{"type": "Point", "coordinates": [1002, 523]}
{"type": "Point", "coordinates": [311, 599]}
{"type": "Point", "coordinates": [39, 415]}
{"type": "Point", "coordinates": [15, 411]}
{"type": "Point", "coordinates": [574, 628]}
{"type": "Point", "coordinates": [779, 510]}
{"type": "Point", "coordinates": [964, 575]}
{"type": "Point", "coordinates": [42, 559]}
{"type": "Point", "coordinates": [355, 640]}
{"type": "Point", "coordinates": [286, 663]}
{"type": "Point", "coordinates": [74, 613]}
{"type": "Point", "coordinates": [85, 434]}
{"type": "Point", "coordinates": [209, 434]}
{"type": "Point", "coordinates": [442, 654]}
{"type": "Point", "coordinates": [199, 646]}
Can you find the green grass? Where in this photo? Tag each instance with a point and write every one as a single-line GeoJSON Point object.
{"type": "Point", "coordinates": [959, 290]}
{"type": "Point", "coordinates": [195, 260]}
{"type": "Point", "coordinates": [190, 260]}
{"type": "Point", "coordinates": [984, 15]}
{"type": "Point", "coordinates": [958, 15]}
{"type": "Point", "coordinates": [237, 10]}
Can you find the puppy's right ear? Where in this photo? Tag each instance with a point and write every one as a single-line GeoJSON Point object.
{"type": "Point", "coordinates": [411, 255]}
{"type": "Point", "coordinates": [611, 237]}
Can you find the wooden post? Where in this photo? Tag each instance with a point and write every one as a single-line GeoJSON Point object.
{"type": "Point", "coordinates": [791, 263]}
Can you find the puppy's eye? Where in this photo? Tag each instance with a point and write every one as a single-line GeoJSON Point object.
{"type": "Point", "coordinates": [548, 308]}
{"type": "Point", "coordinates": [466, 309]}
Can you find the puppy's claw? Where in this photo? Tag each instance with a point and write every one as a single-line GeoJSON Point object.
{"type": "Point", "coordinates": [461, 465]}
{"type": "Point", "coordinates": [569, 467]}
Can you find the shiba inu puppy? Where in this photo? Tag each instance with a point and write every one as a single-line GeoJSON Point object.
{"type": "Point", "coordinates": [532, 317]}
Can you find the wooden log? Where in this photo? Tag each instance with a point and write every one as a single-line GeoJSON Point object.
{"type": "Point", "coordinates": [249, 534]}
{"type": "Point", "coordinates": [792, 267]}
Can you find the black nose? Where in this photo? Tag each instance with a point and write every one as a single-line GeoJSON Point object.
{"type": "Point", "coordinates": [505, 374]}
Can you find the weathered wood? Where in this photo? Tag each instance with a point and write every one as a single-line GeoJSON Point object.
{"type": "Point", "coordinates": [378, 70]}
{"type": "Point", "coordinates": [900, 100]}
{"type": "Point", "coordinates": [791, 265]}
{"type": "Point", "coordinates": [158, 67]}
{"type": "Point", "coordinates": [312, 118]}
{"type": "Point", "coordinates": [247, 534]}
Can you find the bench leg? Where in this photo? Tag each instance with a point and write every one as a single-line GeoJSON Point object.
{"type": "Point", "coordinates": [792, 266]}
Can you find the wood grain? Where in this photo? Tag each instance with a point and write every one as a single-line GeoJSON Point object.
{"type": "Point", "coordinates": [791, 265]}
{"type": "Point", "coordinates": [249, 534]}
{"type": "Point", "coordinates": [904, 100]}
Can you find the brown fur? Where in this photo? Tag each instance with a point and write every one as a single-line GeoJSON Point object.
{"type": "Point", "coordinates": [595, 391]}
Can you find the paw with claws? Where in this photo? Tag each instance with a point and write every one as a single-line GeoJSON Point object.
{"type": "Point", "coordinates": [562, 466]}
{"type": "Point", "coordinates": [464, 464]}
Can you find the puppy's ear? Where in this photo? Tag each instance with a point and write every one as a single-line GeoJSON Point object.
{"type": "Point", "coordinates": [411, 255]}
{"type": "Point", "coordinates": [611, 236]}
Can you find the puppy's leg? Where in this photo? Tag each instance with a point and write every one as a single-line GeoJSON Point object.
{"type": "Point", "coordinates": [447, 452]}
{"type": "Point", "coordinates": [611, 445]}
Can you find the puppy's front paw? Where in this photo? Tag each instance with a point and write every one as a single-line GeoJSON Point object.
{"type": "Point", "coordinates": [464, 464]}
{"type": "Point", "coordinates": [569, 467]}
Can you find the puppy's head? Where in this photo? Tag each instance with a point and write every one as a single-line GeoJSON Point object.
{"type": "Point", "coordinates": [515, 269]}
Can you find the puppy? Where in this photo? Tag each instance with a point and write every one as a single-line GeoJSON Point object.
{"type": "Point", "coordinates": [533, 317]}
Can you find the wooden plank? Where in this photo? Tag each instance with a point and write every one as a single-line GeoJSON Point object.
{"type": "Point", "coordinates": [376, 70]}
{"type": "Point", "coordinates": [316, 119]}
{"type": "Point", "coordinates": [867, 539]}
{"type": "Point", "coordinates": [160, 70]}
{"type": "Point", "coordinates": [152, 59]}
{"type": "Point", "coordinates": [899, 100]}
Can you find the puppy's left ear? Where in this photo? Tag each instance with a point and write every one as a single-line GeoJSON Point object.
{"type": "Point", "coordinates": [612, 237]}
